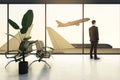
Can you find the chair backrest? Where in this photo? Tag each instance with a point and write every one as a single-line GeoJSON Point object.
{"type": "Point", "coordinates": [41, 52]}
{"type": "Point", "coordinates": [39, 45]}
{"type": "Point", "coordinates": [29, 49]}
{"type": "Point", "coordinates": [25, 46]}
{"type": "Point", "coordinates": [40, 49]}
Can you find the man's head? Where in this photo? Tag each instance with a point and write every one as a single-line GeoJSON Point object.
{"type": "Point", "coordinates": [93, 22]}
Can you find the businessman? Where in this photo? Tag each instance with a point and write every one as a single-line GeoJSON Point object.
{"type": "Point", "coordinates": [94, 38]}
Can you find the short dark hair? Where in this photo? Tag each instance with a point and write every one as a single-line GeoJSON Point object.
{"type": "Point", "coordinates": [93, 21]}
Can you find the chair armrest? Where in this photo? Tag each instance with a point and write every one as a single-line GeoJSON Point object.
{"type": "Point", "coordinates": [49, 48]}
{"type": "Point", "coordinates": [7, 53]}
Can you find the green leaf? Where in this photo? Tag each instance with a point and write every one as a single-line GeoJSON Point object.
{"type": "Point", "coordinates": [23, 30]}
{"type": "Point", "coordinates": [27, 21]}
{"type": "Point", "coordinates": [13, 24]}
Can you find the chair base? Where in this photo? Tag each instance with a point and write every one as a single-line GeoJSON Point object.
{"type": "Point", "coordinates": [40, 61]}
{"type": "Point", "coordinates": [23, 67]}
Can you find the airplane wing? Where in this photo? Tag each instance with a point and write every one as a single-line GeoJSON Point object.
{"type": "Point", "coordinates": [77, 24]}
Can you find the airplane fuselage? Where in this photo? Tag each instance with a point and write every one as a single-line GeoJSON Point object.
{"type": "Point", "coordinates": [76, 22]}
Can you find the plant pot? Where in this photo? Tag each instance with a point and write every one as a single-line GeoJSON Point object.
{"type": "Point", "coordinates": [23, 67]}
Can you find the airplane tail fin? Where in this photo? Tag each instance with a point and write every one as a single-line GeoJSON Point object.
{"type": "Point", "coordinates": [59, 23]}
{"type": "Point", "coordinates": [58, 41]}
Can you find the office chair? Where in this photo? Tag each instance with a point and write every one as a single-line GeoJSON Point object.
{"type": "Point", "coordinates": [42, 52]}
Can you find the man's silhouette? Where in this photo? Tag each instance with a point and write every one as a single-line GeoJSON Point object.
{"type": "Point", "coordinates": [94, 38]}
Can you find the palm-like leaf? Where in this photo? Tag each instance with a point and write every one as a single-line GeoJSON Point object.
{"type": "Point", "coordinates": [27, 21]}
{"type": "Point", "coordinates": [23, 30]}
{"type": "Point", "coordinates": [13, 24]}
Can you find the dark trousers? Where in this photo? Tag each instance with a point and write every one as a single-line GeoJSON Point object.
{"type": "Point", "coordinates": [93, 47]}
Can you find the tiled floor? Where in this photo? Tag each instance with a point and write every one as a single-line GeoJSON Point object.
{"type": "Point", "coordinates": [65, 67]}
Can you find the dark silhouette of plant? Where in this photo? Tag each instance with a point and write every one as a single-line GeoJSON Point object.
{"type": "Point", "coordinates": [26, 23]}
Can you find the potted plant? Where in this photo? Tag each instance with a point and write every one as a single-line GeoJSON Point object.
{"type": "Point", "coordinates": [26, 23]}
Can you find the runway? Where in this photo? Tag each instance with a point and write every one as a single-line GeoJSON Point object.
{"type": "Point", "coordinates": [65, 67]}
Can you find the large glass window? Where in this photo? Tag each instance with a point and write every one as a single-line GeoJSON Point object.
{"type": "Point", "coordinates": [107, 18]}
{"type": "Point", "coordinates": [3, 28]}
{"type": "Point", "coordinates": [37, 32]}
{"type": "Point", "coordinates": [64, 29]}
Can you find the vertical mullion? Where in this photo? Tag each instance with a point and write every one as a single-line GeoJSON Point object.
{"type": "Point", "coordinates": [83, 28]}
{"type": "Point", "coordinates": [119, 24]}
{"type": "Point", "coordinates": [7, 28]}
{"type": "Point", "coordinates": [45, 26]}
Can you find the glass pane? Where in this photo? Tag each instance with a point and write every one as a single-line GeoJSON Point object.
{"type": "Point", "coordinates": [37, 32]}
{"type": "Point", "coordinates": [3, 28]}
{"type": "Point", "coordinates": [107, 18]}
{"type": "Point", "coordinates": [64, 31]}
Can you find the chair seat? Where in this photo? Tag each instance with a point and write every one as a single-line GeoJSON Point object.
{"type": "Point", "coordinates": [47, 55]}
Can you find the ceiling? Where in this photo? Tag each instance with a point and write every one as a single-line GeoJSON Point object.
{"type": "Point", "coordinates": [59, 1]}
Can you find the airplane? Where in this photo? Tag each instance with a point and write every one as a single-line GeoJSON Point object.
{"type": "Point", "coordinates": [77, 22]}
